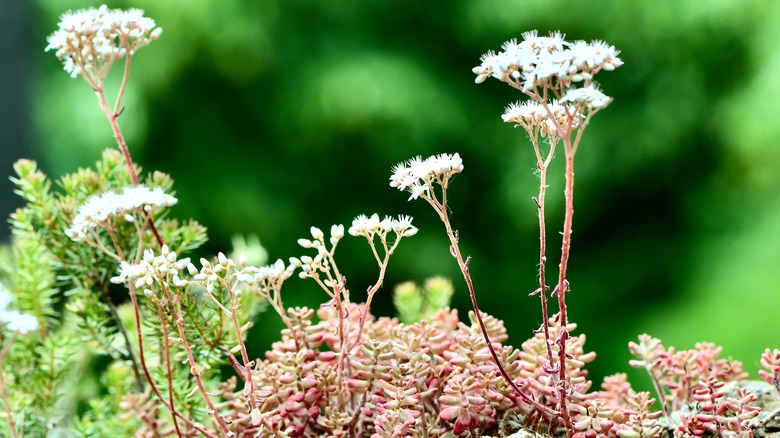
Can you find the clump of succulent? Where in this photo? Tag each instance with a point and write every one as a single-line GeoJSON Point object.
{"type": "Point", "coordinates": [96, 262]}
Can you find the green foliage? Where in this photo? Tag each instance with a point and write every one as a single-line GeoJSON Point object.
{"type": "Point", "coordinates": [66, 287]}
{"type": "Point", "coordinates": [107, 415]}
{"type": "Point", "coordinates": [34, 370]}
{"type": "Point", "coordinates": [32, 275]}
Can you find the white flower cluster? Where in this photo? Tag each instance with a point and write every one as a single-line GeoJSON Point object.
{"type": "Point", "coordinates": [166, 268]}
{"type": "Point", "coordinates": [532, 115]}
{"type": "Point", "coordinates": [266, 276]}
{"type": "Point", "coordinates": [153, 268]}
{"type": "Point", "coordinates": [537, 61]}
{"type": "Point", "coordinates": [263, 277]}
{"type": "Point", "coordinates": [418, 175]}
{"type": "Point", "coordinates": [369, 227]}
{"type": "Point", "coordinates": [310, 266]}
{"type": "Point", "coordinates": [319, 263]}
{"type": "Point", "coordinates": [89, 40]}
{"type": "Point", "coordinates": [336, 233]}
{"type": "Point", "coordinates": [14, 320]}
{"type": "Point", "coordinates": [99, 208]}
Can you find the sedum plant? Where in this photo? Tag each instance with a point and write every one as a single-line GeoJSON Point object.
{"type": "Point", "coordinates": [96, 262]}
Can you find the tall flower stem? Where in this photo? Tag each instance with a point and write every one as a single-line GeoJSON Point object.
{"type": "Point", "coordinates": [113, 120]}
{"type": "Point", "coordinates": [167, 356]}
{"type": "Point", "coordinates": [563, 286]}
{"type": "Point", "coordinates": [463, 264]}
{"type": "Point", "coordinates": [245, 370]}
{"type": "Point", "coordinates": [543, 165]}
{"type": "Point", "coordinates": [372, 290]}
{"type": "Point", "coordinates": [136, 309]}
{"type": "Point", "coordinates": [125, 336]}
{"type": "Point", "coordinates": [570, 149]}
{"type": "Point", "coordinates": [196, 372]}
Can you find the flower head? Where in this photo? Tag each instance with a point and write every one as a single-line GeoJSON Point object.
{"type": "Point", "coordinates": [543, 61]}
{"type": "Point", "coordinates": [102, 207]}
{"type": "Point", "coordinates": [370, 226]}
{"type": "Point", "coordinates": [153, 268]}
{"type": "Point", "coordinates": [588, 96]}
{"type": "Point", "coordinates": [532, 115]}
{"type": "Point", "coordinates": [417, 175]}
{"type": "Point", "coordinates": [268, 275]}
{"type": "Point", "coordinates": [88, 41]}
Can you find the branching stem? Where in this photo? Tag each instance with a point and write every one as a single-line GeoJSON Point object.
{"type": "Point", "coordinates": [113, 117]}
{"type": "Point", "coordinates": [372, 290]}
{"type": "Point", "coordinates": [134, 299]}
{"type": "Point", "coordinates": [196, 372]}
{"type": "Point", "coordinates": [167, 356]}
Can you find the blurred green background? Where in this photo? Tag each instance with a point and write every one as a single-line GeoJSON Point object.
{"type": "Point", "coordinates": [276, 115]}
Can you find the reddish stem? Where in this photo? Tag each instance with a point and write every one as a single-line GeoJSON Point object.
{"type": "Point", "coordinates": [467, 276]}
{"type": "Point", "coordinates": [542, 254]}
{"type": "Point", "coordinates": [249, 389]}
{"type": "Point", "coordinates": [196, 372]}
{"type": "Point", "coordinates": [120, 139]}
{"type": "Point", "coordinates": [134, 299]}
{"type": "Point", "coordinates": [167, 355]}
{"type": "Point", "coordinates": [562, 284]}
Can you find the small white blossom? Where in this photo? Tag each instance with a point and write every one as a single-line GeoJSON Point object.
{"type": "Point", "coordinates": [226, 271]}
{"type": "Point", "coordinates": [386, 225]}
{"type": "Point", "coordinates": [128, 271]}
{"type": "Point", "coordinates": [336, 233]}
{"type": "Point", "coordinates": [14, 320]}
{"type": "Point", "coordinates": [192, 269]}
{"type": "Point", "coordinates": [178, 282]}
{"type": "Point", "coordinates": [596, 55]}
{"type": "Point", "coordinates": [403, 226]}
{"type": "Point", "coordinates": [317, 234]}
{"type": "Point", "coordinates": [100, 208]}
{"type": "Point", "coordinates": [310, 266]}
{"type": "Point", "coordinates": [276, 272]}
{"type": "Point", "coordinates": [89, 40]}
{"type": "Point", "coordinates": [364, 225]}
{"type": "Point", "coordinates": [19, 322]}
